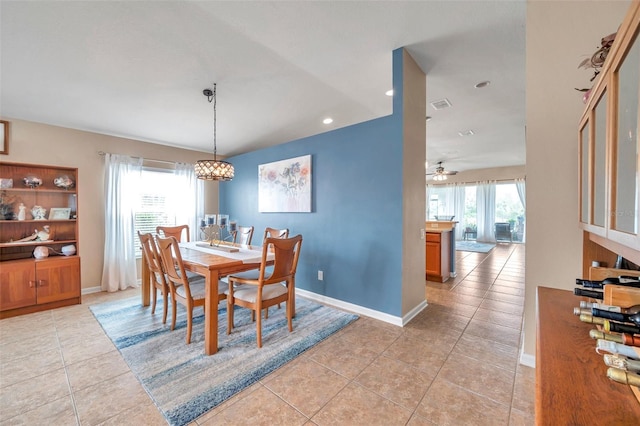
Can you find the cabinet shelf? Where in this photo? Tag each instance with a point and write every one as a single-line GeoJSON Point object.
{"type": "Point", "coordinates": [39, 190]}
{"type": "Point", "coordinates": [37, 221]}
{"type": "Point", "coordinates": [36, 243]}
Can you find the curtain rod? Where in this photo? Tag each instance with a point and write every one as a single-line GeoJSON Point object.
{"type": "Point", "coordinates": [102, 154]}
{"type": "Point", "coordinates": [481, 181]}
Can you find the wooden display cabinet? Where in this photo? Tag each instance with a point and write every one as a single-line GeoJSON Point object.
{"type": "Point", "coordinates": [570, 375]}
{"type": "Point", "coordinates": [609, 145]}
{"type": "Point", "coordinates": [28, 284]}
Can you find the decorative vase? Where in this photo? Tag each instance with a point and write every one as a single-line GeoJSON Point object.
{"type": "Point", "coordinates": [38, 212]}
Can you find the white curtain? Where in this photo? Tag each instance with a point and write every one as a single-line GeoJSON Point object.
{"type": "Point", "coordinates": [458, 206]}
{"type": "Point", "coordinates": [188, 200]}
{"type": "Point", "coordinates": [520, 186]}
{"type": "Point", "coordinates": [122, 174]}
{"type": "Point", "coordinates": [486, 211]}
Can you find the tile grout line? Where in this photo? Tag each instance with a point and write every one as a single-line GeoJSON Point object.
{"type": "Point", "coordinates": [66, 372]}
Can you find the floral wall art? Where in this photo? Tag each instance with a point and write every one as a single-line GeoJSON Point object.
{"type": "Point", "coordinates": [285, 186]}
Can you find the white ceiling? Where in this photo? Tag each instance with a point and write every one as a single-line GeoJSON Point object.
{"type": "Point", "coordinates": [137, 70]}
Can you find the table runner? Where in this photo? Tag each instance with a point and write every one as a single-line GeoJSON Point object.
{"type": "Point", "coordinates": [245, 255]}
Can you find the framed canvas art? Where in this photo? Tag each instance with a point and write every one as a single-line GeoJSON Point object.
{"type": "Point", "coordinates": [285, 186]}
{"type": "Point", "coordinates": [59, 213]}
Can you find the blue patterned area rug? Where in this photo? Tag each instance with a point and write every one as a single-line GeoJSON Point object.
{"type": "Point", "coordinates": [185, 383]}
{"type": "Point", "coordinates": [474, 246]}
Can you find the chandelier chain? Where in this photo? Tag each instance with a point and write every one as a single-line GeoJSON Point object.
{"type": "Point", "coordinates": [215, 126]}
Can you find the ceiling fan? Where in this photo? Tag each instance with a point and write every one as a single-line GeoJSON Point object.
{"type": "Point", "coordinates": [440, 173]}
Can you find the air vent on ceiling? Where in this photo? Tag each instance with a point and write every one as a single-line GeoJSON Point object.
{"type": "Point", "coordinates": [441, 104]}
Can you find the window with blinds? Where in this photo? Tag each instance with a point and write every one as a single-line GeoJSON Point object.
{"type": "Point", "coordinates": [154, 207]}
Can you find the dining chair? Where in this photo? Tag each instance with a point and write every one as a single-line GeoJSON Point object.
{"type": "Point", "coordinates": [253, 275]}
{"type": "Point", "coordinates": [174, 231]}
{"type": "Point", "coordinates": [189, 293]}
{"type": "Point", "coordinates": [156, 272]}
{"type": "Point", "coordinates": [267, 290]}
{"type": "Point", "coordinates": [246, 234]}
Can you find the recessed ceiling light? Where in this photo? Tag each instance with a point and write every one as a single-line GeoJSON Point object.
{"type": "Point", "coordinates": [389, 92]}
{"type": "Point", "coordinates": [328, 120]}
{"type": "Point", "coordinates": [466, 133]}
{"type": "Point", "coordinates": [428, 118]}
{"type": "Point", "coordinates": [482, 84]}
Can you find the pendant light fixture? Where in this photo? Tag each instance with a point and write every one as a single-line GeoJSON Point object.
{"type": "Point", "coordinates": [213, 169]}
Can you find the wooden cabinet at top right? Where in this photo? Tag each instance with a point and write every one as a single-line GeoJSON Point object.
{"type": "Point", "coordinates": [609, 143]}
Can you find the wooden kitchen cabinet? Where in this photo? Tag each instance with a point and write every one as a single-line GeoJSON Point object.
{"type": "Point", "coordinates": [28, 284]}
{"type": "Point", "coordinates": [437, 255]}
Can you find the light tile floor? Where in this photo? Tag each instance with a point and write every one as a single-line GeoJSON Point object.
{"type": "Point", "coordinates": [456, 363]}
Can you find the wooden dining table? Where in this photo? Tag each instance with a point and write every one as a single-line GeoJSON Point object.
{"type": "Point", "coordinates": [212, 267]}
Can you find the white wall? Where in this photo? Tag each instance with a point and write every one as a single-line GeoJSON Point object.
{"type": "Point", "coordinates": [560, 34]}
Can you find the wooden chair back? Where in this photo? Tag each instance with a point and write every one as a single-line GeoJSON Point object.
{"type": "Point", "coordinates": [172, 263]}
{"type": "Point", "coordinates": [174, 231]}
{"type": "Point", "coordinates": [286, 253]}
{"type": "Point", "coordinates": [151, 254]}
{"type": "Point", "coordinates": [275, 233]}
{"type": "Point", "coordinates": [245, 233]}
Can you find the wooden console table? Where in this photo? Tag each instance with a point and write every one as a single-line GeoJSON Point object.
{"type": "Point", "coordinates": [572, 387]}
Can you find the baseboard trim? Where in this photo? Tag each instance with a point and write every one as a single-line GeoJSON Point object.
{"type": "Point", "coordinates": [528, 360]}
{"type": "Point", "coordinates": [98, 289]}
{"type": "Point", "coordinates": [412, 313]}
{"type": "Point", "coordinates": [381, 316]}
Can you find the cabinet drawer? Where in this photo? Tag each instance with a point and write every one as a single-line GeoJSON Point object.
{"type": "Point", "coordinates": [433, 237]}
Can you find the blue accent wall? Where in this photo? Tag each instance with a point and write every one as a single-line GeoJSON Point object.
{"type": "Point", "coordinates": [353, 233]}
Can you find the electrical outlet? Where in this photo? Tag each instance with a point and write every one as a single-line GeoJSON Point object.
{"type": "Point", "coordinates": [320, 275]}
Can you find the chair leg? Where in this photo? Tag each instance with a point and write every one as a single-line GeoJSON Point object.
{"type": "Point", "coordinates": [266, 313]}
{"type": "Point", "coordinates": [259, 329]}
{"type": "Point", "coordinates": [289, 309]}
{"type": "Point", "coordinates": [154, 298]}
{"type": "Point", "coordinates": [165, 308]}
{"type": "Point", "coordinates": [173, 313]}
{"type": "Point", "coordinates": [189, 322]}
